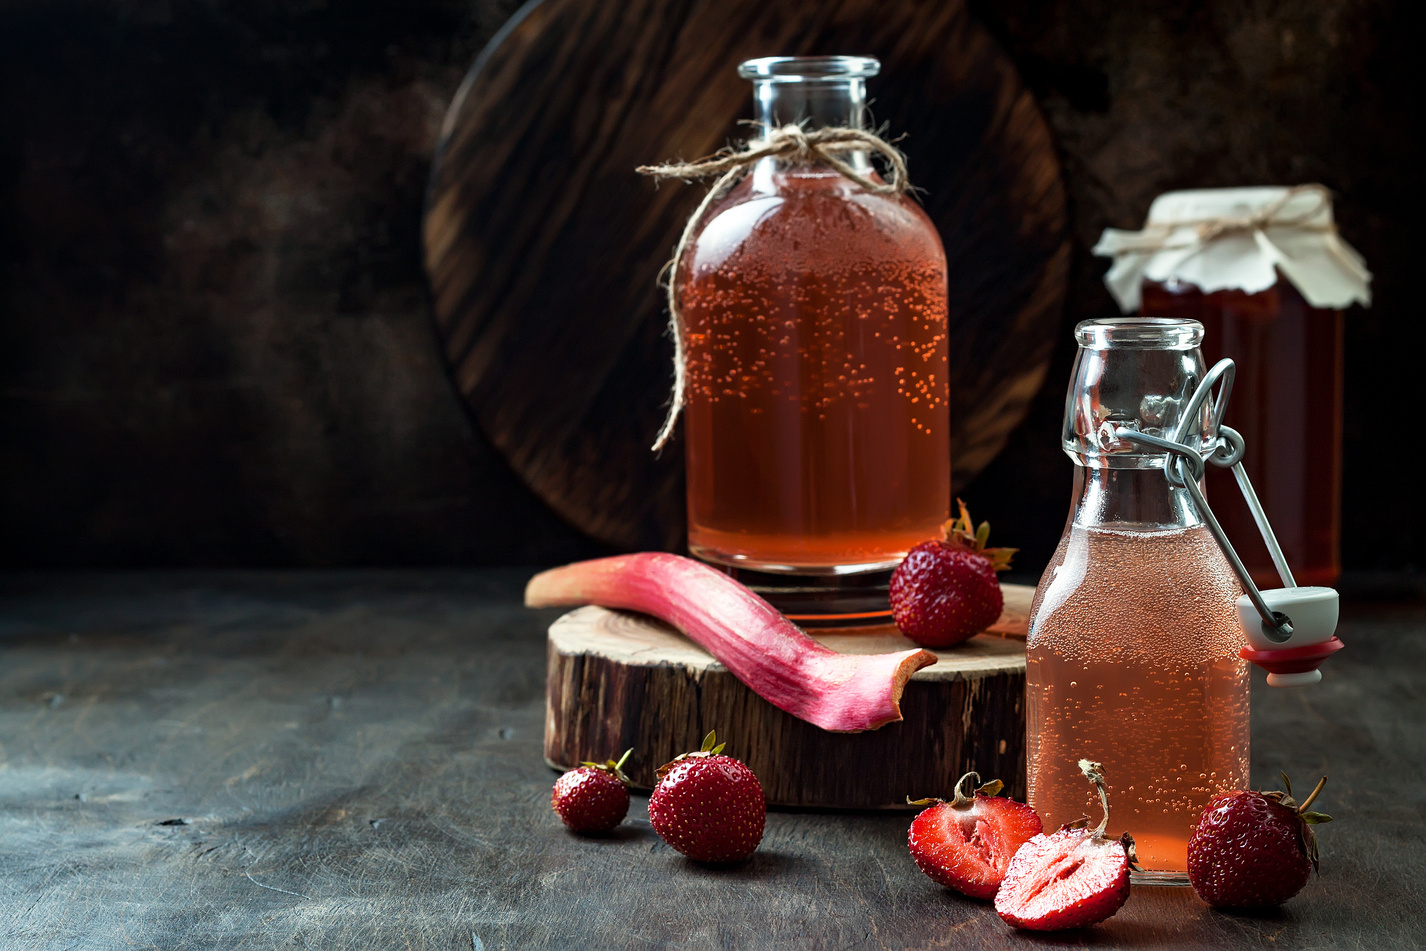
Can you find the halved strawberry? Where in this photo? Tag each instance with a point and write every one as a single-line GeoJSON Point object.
{"type": "Point", "coordinates": [1073, 878]}
{"type": "Point", "coordinates": [967, 843]}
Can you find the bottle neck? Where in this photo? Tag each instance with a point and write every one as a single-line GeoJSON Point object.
{"type": "Point", "coordinates": [819, 104]}
{"type": "Point", "coordinates": [1130, 500]}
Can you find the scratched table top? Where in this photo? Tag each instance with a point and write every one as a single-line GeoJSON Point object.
{"type": "Point", "coordinates": [352, 760]}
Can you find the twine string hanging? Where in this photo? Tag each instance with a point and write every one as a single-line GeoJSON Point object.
{"type": "Point", "coordinates": [792, 143]}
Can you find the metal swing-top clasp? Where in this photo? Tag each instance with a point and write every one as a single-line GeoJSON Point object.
{"type": "Point", "coordinates": [1291, 630]}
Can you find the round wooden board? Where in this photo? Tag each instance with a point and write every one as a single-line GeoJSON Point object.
{"type": "Point", "coordinates": [618, 680]}
{"type": "Point", "coordinates": [543, 245]}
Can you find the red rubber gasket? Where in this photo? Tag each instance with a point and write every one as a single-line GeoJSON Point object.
{"type": "Point", "coordinates": [1293, 660]}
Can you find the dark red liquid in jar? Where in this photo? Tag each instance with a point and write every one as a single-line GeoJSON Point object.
{"type": "Point", "coordinates": [814, 316]}
{"type": "Point", "coordinates": [1287, 403]}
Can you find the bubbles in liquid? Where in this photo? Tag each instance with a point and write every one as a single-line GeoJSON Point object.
{"type": "Point", "coordinates": [817, 418]}
{"type": "Point", "coordinates": [1132, 660]}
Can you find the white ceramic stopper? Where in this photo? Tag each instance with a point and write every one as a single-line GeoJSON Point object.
{"type": "Point", "coordinates": [1313, 611]}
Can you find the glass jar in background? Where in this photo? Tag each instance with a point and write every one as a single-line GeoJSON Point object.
{"type": "Point", "coordinates": [1287, 403]}
{"type": "Point", "coordinates": [814, 324]}
{"type": "Point", "coordinates": [1266, 274]}
{"type": "Point", "coordinates": [1132, 653]}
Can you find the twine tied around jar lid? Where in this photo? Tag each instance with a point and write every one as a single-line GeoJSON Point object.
{"type": "Point", "coordinates": [1211, 228]}
{"type": "Point", "coordinates": [1160, 235]}
{"type": "Point", "coordinates": [791, 142]}
{"type": "Point", "coordinates": [1238, 239]}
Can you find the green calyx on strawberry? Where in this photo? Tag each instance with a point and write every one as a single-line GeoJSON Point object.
{"type": "Point", "coordinates": [709, 806]}
{"type": "Point", "coordinates": [967, 843]}
{"type": "Point", "coordinates": [1071, 879]}
{"type": "Point", "coordinates": [612, 767]}
{"type": "Point", "coordinates": [593, 797]}
{"type": "Point", "coordinates": [710, 747]}
{"type": "Point", "coordinates": [1254, 849]}
{"type": "Point", "coordinates": [945, 591]}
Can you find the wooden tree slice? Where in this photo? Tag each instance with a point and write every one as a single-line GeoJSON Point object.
{"type": "Point", "coordinates": [619, 680]}
{"type": "Point", "coordinates": [543, 245]}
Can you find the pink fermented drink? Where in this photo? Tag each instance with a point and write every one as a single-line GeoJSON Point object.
{"type": "Point", "coordinates": [1150, 684]}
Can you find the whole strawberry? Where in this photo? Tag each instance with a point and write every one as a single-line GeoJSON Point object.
{"type": "Point", "coordinates": [967, 843]}
{"type": "Point", "coordinates": [708, 806]}
{"type": "Point", "coordinates": [1071, 879]}
{"type": "Point", "coordinates": [594, 797]}
{"type": "Point", "coordinates": [1254, 849]}
{"type": "Point", "coordinates": [946, 591]}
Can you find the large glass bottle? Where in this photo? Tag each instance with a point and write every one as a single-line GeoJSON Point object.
{"type": "Point", "coordinates": [1133, 643]}
{"type": "Point", "coordinates": [814, 319]}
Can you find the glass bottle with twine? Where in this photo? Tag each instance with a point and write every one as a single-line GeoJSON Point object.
{"type": "Point", "coordinates": [807, 300]}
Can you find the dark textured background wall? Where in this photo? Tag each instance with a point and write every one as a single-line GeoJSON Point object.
{"type": "Point", "coordinates": [215, 339]}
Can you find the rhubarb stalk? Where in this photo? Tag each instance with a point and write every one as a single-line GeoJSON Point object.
{"type": "Point", "coordinates": [844, 693]}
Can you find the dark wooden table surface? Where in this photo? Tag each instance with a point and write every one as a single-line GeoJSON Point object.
{"type": "Point", "coordinates": [352, 760]}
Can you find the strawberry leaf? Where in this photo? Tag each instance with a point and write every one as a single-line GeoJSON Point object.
{"type": "Point", "coordinates": [999, 558]}
{"type": "Point", "coordinates": [1128, 842]}
{"type": "Point", "coordinates": [961, 532]}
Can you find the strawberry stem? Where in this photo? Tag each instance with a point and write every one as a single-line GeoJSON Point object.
{"type": "Point", "coordinates": [623, 759]}
{"type": "Point", "coordinates": [967, 787]}
{"type": "Point", "coordinates": [965, 790]}
{"type": "Point", "coordinates": [1312, 795]}
{"type": "Point", "coordinates": [1094, 772]}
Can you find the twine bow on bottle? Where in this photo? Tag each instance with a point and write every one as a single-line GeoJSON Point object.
{"type": "Point", "coordinates": [793, 144]}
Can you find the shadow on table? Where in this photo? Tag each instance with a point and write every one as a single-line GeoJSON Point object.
{"type": "Point", "coordinates": [762, 864]}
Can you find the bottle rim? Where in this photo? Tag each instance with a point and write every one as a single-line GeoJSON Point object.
{"type": "Point", "coordinates": [809, 69]}
{"type": "Point", "coordinates": [1139, 333]}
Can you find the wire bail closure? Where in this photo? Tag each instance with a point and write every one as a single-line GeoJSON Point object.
{"type": "Point", "coordinates": [1184, 466]}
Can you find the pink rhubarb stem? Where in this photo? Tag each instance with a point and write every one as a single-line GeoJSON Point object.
{"type": "Point", "coordinates": [845, 693]}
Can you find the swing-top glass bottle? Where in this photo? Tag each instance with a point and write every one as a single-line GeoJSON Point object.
{"type": "Point", "coordinates": [1134, 638]}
